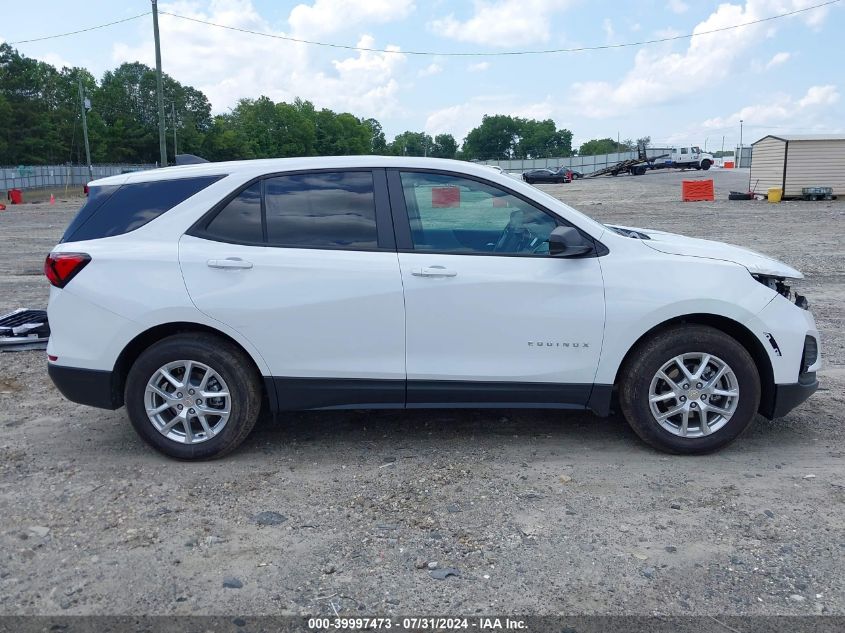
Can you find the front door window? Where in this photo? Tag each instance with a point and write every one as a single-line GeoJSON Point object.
{"type": "Point", "coordinates": [449, 214]}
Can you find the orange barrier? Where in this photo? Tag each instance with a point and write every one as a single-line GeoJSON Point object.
{"type": "Point", "coordinates": [697, 191]}
{"type": "Point", "coordinates": [729, 164]}
{"type": "Point", "coordinates": [445, 197]}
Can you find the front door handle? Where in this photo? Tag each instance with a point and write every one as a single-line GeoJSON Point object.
{"type": "Point", "coordinates": [229, 262]}
{"type": "Point", "coordinates": [433, 271]}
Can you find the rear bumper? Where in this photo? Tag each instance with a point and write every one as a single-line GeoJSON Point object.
{"type": "Point", "coordinates": [92, 387]}
{"type": "Point", "coordinates": [787, 397]}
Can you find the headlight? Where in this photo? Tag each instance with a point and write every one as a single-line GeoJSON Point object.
{"type": "Point", "coordinates": [779, 286]}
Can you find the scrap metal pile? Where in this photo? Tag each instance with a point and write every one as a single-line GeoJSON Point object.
{"type": "Point", "coordinates": [24, 329]}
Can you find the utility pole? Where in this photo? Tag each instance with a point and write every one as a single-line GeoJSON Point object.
{"type": "Point", "coordinates": [173, 113]}
{"type": "Point", "coordinates": [739, 162]}
{"type": "Point", "coordinates": [162, 143]}
{"type": "Point", "coordinates": [83, 105]}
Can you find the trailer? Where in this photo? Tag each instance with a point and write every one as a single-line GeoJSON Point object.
{"type": "Point", "coordinates": [634, 166]}
{"type": "Point", "coordinates": [678, 158]}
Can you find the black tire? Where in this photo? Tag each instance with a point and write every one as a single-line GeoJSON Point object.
{"type": "Point", "coordinates": [705, 164]}
{"type": "Point", "coordinates": [649, 356]}
{"type": "Point", "coordinates": [237, 371]}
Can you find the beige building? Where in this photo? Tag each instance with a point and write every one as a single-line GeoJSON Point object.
{"type": "Point", "coordinates": [795, 161]}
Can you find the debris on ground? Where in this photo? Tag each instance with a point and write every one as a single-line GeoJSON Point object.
{"type": "Point", "coordinates": [24, 329]}
{"type": "Point", "coordinates": [443, 574]}
{"type": "Point", "coordinates": [270, 518]}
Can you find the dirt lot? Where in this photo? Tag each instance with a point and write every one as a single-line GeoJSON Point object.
{"type": "Point", "coordinates": [540, 511]}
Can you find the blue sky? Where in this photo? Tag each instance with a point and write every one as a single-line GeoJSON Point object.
{"type": "Point", "coordinates": [780, 76]}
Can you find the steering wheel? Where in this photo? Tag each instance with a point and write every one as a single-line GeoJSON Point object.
{"type": "Point", "coordinates": [518, 239]}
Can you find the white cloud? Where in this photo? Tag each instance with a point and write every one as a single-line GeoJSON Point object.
{"type": "Point", "coordinates": [459, 119]}
{"type": "Point", "coordinates": [607, 27]}
{"type": "Point", "coordinates": [478, 67]}
{"type": "Point", "coordinates": [778, 59]}
{"type": "Point", "coordinates": [504, 23]}
{"type": "Point", "coordinates": [820, 96]}
{"type": "Point", "coordinates": [431, 69]}
{"type": "Point", "coordinates": [54, 60]}
{"type": "Point", "coordinates": [658, 76]}
{"type": "Point", "coordinates": [329, 16]}
{"type": "Point", "coordinates": [781, 108]}
{"type": "Point", "coordinates": [227, 65]}
{"type": "Point", "coordinates": [667, 33]}
{"type": "Point", "coordinates": [677, 6]}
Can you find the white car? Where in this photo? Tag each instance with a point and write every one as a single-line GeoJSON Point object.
{"type": "Point", "coordinates": [196, 295]}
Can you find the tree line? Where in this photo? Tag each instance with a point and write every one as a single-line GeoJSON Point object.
{"type": "Point", "coordinates": [40, 123]}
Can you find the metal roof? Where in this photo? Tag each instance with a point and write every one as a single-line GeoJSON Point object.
{"type": "Point", "coordinates": [803, 137]}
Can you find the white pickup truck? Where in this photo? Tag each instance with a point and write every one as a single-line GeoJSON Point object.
{"type": "Point", "coordinates": [684, 158]}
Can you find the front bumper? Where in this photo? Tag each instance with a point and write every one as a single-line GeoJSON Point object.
{"type": "Point", "coordinates": [92, 387]}
{"type": "Point", "coordinates": [787, 397]}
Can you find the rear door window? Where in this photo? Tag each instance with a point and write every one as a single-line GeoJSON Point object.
{"type": "Point", "coordinates": [115, 210]}
{"type": "Point", "coordinates": [321, 210]}
{"type": "Point", "coordinates": [240, 220]}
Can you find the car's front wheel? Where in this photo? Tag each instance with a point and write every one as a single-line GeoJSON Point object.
{"type": "Point", "coordinates": [690, 389]}
{"type": "Point", "coordinates": [193, 396]}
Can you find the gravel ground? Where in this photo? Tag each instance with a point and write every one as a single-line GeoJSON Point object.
{"type": "Point", "coordinates": [538, 511]}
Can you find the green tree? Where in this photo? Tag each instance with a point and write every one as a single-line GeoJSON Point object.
{"type": "Point", "coordinates": [496, 138]}
{"type": "Point", "coordinates": [5, 128]}
{"type": "Point", "coordinates": [412, 144]}
{"type": "Point", "coordinates": [37, 107]}
{"type": "Point", "coordinates": [502, 136]}
{"type": "Point", "coordinates": [445, 146]}
{"type": "Point", "coordinates": [601, 146]}
{"type": "Point", "coordinates": [542, 139]}
{"type": "Point", "coordinates": [223, 142]}
{"type": "Point", "coordinates": [126, 102]}
{"type": "Point", "coordinates": [378, 143]}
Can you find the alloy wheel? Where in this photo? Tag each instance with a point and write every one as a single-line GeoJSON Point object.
{"type": "Point", "coordinates": [187, 401]}
{"type": "Point", "coordinates": [693, 395]}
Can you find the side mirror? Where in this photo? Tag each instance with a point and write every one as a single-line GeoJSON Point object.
{"type": "Point", "coordinates": [566, 241]}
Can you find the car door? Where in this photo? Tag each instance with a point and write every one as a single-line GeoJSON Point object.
{"type": "Point", "coordinates": [490, 317]}
{"type": "Point", "coordinates": [304, 266]}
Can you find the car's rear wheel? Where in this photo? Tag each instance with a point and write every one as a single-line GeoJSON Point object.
{"type": "Point", "coordinates": [193, 396]}
{"type": "Point", "coordinates": [690, 389]}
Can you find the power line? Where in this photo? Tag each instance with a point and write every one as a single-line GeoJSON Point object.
{"type": "Point", "coordinates": [90, 28]}
{"type": "Point", "coordinates": [498, 53]}
{"type": "Point", "coordinates": [432, 53]}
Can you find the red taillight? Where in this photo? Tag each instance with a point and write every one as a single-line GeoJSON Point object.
{"type": "Point", "coordinates": [60, 268]}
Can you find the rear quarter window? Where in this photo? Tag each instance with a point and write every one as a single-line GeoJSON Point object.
{"type": "Point", "coordinates": [115, 210]}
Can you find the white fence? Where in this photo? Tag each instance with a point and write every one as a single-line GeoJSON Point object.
{"type": "Point", "coordinates": [68, 176]}
{"type": "Point", "coordinates": [584, 164]}
{"type": "Point", "coordinates": [589, 164]}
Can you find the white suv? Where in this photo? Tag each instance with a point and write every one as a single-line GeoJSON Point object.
{"type": "Point", "coordinates": [196, 295]}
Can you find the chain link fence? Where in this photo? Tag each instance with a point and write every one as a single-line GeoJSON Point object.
{"type": "Point", "coordinates": [55, 176]}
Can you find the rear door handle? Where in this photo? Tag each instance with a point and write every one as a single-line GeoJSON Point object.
{"type": "Point", "coordinates": [433, 271]}
{"type": "Point", "coordinates": [229, 262]}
